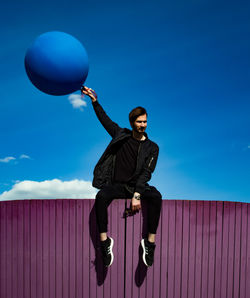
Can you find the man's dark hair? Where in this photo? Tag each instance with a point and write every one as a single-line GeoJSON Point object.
{"type": "Point", "coordinates": [136, 112]}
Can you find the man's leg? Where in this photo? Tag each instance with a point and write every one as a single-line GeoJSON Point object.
{"type": "Point", "coordinates": [103, 199]}
{"type": "Point", "coordinates": [154, 202]}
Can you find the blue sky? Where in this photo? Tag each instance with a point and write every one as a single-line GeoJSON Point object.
{"type": "Point", "coordinates": [186, 62]}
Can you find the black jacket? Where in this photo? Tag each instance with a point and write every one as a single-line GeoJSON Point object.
{"type": "Point", "coordinates": [146, 160]}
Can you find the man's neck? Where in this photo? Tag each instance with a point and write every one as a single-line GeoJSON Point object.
{"type": "Point", "coordinates": [138, 136]}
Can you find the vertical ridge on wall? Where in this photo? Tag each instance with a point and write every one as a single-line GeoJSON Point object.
{"type": "Point", "coordinates": [50, 248]}
{"type": "Point", "coordinates": [218, 249]}
{"type": "Point", "coordinates": [185, 249]}
{"type": "Point", "coordinates": [243, 252]}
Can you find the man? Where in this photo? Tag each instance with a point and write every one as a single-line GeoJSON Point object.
{"type": "Point", "coordinates": [123, 172]}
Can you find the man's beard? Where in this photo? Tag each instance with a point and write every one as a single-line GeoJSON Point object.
{"type": "Point", "coordinates": [139, 130]}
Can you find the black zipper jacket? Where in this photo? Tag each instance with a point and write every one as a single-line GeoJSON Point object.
{"type": "Point", "coordinates": [146, 160]}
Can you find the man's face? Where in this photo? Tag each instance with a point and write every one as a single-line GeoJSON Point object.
{"type": "Point", "coordinates": [140, 124]}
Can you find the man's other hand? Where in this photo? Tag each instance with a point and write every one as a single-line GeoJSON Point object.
{"type": "Point", "coordinates": [135, 204]}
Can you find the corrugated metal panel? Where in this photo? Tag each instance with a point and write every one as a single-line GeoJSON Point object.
{"type": "Point", "coordinates": [50, 248]}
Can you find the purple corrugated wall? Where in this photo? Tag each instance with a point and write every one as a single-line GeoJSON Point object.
{"type": "Point", "coordinates": [50, 248]}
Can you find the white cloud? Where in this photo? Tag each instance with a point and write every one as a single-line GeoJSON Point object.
{"type": "Point", "coordinates": [24, 156]}
{"type": "Point", "coordinates": [77, 101]}
{"type": "Point", "coordinates": [10, 158]}
{"type": "Point", "coordinates": [50, 189]}
{"type": "Point", "coordinates": [7, 159]}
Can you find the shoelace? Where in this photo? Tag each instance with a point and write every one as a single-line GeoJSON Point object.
{"type": "Point", "coordinates": [107, 250]}
{"type": "Point", "coordinates": [147, 249]}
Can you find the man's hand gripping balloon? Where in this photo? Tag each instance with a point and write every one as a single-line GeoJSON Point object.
{"type": "Point", "coordinates": [90, 92]}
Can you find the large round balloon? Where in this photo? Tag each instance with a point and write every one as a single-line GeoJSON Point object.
{"type": "Point", "coordinates": [57, 63]}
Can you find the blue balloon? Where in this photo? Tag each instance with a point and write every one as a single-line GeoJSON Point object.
{"type": "Point", "coordinates": [57, 63]}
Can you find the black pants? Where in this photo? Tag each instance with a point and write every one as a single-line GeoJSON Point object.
{"type": "Point", "coordinates": [106, 195]}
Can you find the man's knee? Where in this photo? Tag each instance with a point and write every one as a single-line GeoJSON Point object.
{"type": "Point", "coordinates": [153, 196]}
{"type": "Point", "coordinates": [158, 199]}
{"type": "Point", "coordinates": [99, 200]}
{"type": "Point", "coordinates": [159, 196]}
{"type": "Point", "coordinates": [103, 197]}
{"type": "Point", "coordinates": [156, 194]}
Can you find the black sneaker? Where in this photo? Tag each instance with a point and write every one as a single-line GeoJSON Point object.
{"type": "Point", "coordinates": [107, 253]}
{"type": "Point", "coordinates": [148, 252]}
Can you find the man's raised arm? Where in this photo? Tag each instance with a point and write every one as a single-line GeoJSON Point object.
{"type": "Point", "coordinates": [111, 127]}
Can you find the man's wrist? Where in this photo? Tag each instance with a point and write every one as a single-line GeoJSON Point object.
{"type": "Point", "coordinates": [137, 196]}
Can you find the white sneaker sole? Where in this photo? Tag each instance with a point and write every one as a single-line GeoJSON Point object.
{"type": "Point", "coordinates": [111, 250]}
{"type": "Point", "coordinates": [144, 253]}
